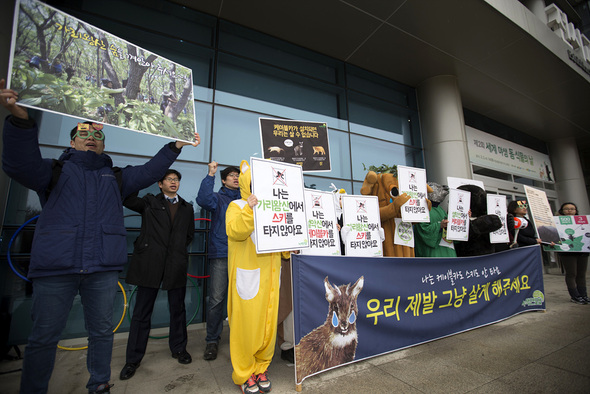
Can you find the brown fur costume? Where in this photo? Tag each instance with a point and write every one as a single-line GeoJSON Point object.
{"type": "Point", "coordinates": [385, 187]}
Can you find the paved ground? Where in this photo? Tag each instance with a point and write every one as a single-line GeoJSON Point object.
{"type": "Point", "coordinates": [535, 352]}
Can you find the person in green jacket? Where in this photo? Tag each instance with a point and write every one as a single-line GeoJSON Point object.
{"type": "Point", "coordinates": [430, 238]}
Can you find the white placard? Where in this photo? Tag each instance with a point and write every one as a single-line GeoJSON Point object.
{"type": "Point", "coordinates": [404, 233]}
{"type": "Point", "coordinates": [497, 206]}
{"type": "Point", "coordinates": [324, 238]}
{"type": "Point", "coordinates": [280, 223]}
{"type": "Point", "coordinates": [412, 181]}
{"type": "Point", "coordinates": [459, 203]}
{"type": "Point", "coordinates": [454, 182]}
{"type": "Point", "coordinates": [362, 221]}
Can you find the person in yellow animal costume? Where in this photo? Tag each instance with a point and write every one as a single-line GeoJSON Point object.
{"type": "Point", "coordinates": [385, 187]}
{"type": "Point", "coordinates": [253, 294]}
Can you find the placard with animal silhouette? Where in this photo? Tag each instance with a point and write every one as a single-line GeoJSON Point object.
{"type": "Point", "coordinates": [348, 309]}
{"type": "Point", "coordinates": [280, 223]}
{"type": "Point", "coordinates": [497, 206]}
{"type": "Point", "coordinates": [296, 142]}
{"type": "Point", "coordinates": [458, 227]}
{"type": "Point", "coordinates": [324, 238]}
{"type": "Point", "coordinates": [412, 181]}
{"type": "Point", "coordinates": [361, 228]}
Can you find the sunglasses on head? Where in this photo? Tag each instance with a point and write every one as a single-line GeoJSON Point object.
{"type": "Point", "coordinates": [84, 131]}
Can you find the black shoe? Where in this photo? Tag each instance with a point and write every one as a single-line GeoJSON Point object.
{"type": "Point", "coordinates": [128, 371]}
{"type": "Point", "coordinates": [578, 300]}
{"type": "Point", "coordinates": [210, 351]}
{"type": "Point", "coordinates": [101, 389]}
{"type": "Point", "coordinates": [288, 355]}
{"type": "Point", "coordinates": [183, 357]}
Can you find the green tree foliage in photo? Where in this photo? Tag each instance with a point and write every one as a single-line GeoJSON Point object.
{"type": "Point", "coordinates": [59, 63]}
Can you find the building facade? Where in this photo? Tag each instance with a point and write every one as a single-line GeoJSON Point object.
{"type": "Point", "coordinates": [397, 82]}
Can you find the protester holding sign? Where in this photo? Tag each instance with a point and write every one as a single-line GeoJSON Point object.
{"type": "Point", "coordinates": [575, 264]}
{"type": "Point", "coordinates": [217, 203]}
{"type": "Point", "coordinates": [253, 294]}
{"type": "Point", "coordinates": [528, 235]}
{"type": "Point", "coordinates": [430, 238]}
{"type": "Point", "coordinates": [80, 241]}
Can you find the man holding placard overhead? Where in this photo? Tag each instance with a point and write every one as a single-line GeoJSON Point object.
{"type": "Point", "coordinates": [80, 242]}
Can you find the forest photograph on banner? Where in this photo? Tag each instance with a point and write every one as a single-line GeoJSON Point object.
{"type": "Point", "coordinates": [62, 64]}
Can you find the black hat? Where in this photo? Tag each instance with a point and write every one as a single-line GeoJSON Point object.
{"type": "Point", "coordinates": [228, 171]}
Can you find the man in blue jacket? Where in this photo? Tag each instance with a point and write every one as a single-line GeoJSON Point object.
{"type": "Point", "coordinates": [80, 241]}
{"type": "Point", "coordinates": [217, 204]}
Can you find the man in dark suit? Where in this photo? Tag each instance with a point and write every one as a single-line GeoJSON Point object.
{"type": "Point", "coordinates": [160, 258]}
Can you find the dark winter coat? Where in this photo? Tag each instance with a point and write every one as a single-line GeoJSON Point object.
{"type": "Point", "coordinates": [480, 225]}
{"type": "Point", "coordinates": [80, 229]}
{"type": "Point", "coordinates": [160, 254]}
{"type": "Point", "coordinates": [217, 204]}
{"type": "Point", "coordinates": [527, 236]}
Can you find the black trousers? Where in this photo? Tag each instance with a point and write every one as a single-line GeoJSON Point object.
{"type": "Point", "coordinates": [141, 322]}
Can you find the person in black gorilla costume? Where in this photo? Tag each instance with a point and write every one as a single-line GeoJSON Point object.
{"type": "Point", "coordinates": [480, 226]}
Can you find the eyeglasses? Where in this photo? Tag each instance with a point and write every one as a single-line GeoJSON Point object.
{"type": "Point", "coordinates": [568, 209]}
{"type": "Point", "coordinates": [234, 174]}
{"type": "Point", "coordinates": [172, 180]}
{"type": "Point", "coordinates": [84, 131]}
{"type": "Point", "coordinates": [522, 204]}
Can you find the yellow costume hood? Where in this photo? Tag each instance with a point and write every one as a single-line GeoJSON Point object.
{"type": "Point", "coordinates": [245, 180]}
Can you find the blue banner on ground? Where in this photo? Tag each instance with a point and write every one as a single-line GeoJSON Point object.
{"type": "Point", "coordinates": [378, 305]}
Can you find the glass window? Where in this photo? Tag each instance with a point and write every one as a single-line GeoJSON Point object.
{"type": "Point", "coordinates": [324, 184]}
{"type": "Point", "coordinates": [135, 21]}
{"type": "Point", "coordinates": [524, 181]}
{"type": "Point", "coordinates": [192, 174]}
{"type": "Point", "coordinates": [269, 109]}
{"type": "Point", "coordinates": [370, 152]}
{"type": "Point", "coordinates": [245, 78]}
{"type": "Point", "coordinates": [380, 87]}
{"type": "Point", "coordinates": [22, 205]}
{"type": "Point", "coordinates": [55, 130]}
{"type": "Point", "coordinates": [339, 155]}
{"type": "Point", "coordinates": [236, 136]}
{"type": "Point", "coordinates": [377, 118]}
{"type": "Point", "coordinates": [266, 49]}
{"type": "Point", "coordinates": [491, 173]}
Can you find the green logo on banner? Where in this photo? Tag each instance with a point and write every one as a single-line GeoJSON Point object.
{"type": "Point", "coordinates": [565, 220]}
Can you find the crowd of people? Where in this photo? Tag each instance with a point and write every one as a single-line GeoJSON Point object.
{"type": "Point", "coordinates": [80, 247]}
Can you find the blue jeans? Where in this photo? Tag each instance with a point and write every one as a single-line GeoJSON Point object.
{"type": "Point", "coordinates": [52, 300]}
{"type": "Point", "coordinates": [216, 309]}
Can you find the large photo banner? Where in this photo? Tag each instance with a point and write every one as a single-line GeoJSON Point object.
{"type": "Point", "coordinates": [349, 309]}
{"type": "Point", "coordinates": [62, 64]}
{"type": "Point", "coordinates": [280, 222]}
{"type": "Point", "coordinates": [296, 142]}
